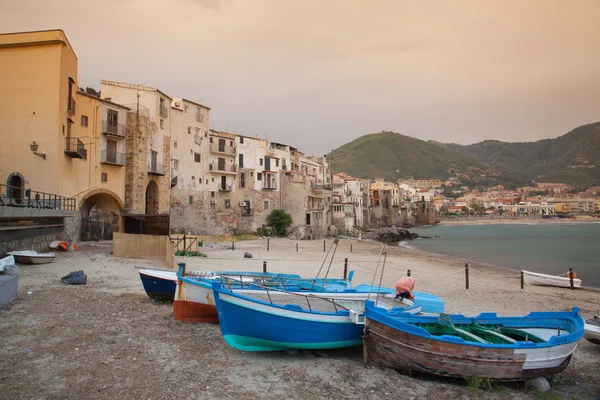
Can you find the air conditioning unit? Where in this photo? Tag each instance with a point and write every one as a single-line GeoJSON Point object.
{"type": "Point", "coordinates": [242, 204]}
{"type": "Point", "coordinates": [213, 201]}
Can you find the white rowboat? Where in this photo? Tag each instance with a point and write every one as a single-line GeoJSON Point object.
{"type": "Point", "coordinates": [534, 278]}
{"type": "Point", "coordinates": [31, 257]}
{"type": "Point", "coordinates": [592, 330]}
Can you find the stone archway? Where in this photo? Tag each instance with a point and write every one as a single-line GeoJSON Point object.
{"type": "Point", "coordinates": [107, 192]}
{"type": "Point", "coordinates": [99, 210]}
{"type": "Point", "coordinates": [152, 198]}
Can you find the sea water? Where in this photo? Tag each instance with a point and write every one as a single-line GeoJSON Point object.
{"type": "Point", "coordinates": [549, 248]}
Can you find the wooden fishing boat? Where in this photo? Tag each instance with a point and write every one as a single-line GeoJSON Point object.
{"type": "Point", "coordinates": [276, 319]}
{"type": "Point", "coordinates": [194, 298]}
{"type": "Point", "coordinates": [534, 278]}
{"type": "Point", "coordinates": [159, 285]}
{"type": "Point", "coordinates": [592, 329]}
{"type": "Point", "coordinates": [31, 257]}
{"type": "Point", "coordinates": [486, 346]}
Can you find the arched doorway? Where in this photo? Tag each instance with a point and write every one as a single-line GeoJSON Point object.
{"type": "Point", "coordinates": [15, 184]}
{"type": "Point", "coordinates": [152, 198]}
{"type": "Point", "coordinates": [99, 215]}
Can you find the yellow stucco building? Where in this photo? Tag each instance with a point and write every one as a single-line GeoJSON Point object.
{"type": "Point", "coordinates": [54, 139]}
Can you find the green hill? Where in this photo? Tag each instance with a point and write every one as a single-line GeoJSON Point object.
{"type": "Point", "coordinates": [572, 158]}
{"type": "Point", "coordinates": [391, 156]}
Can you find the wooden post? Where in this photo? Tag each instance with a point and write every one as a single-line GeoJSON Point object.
{"type": "Point", "coordinates": [345, 268]}
{"type": "Point", "coordinates": [522, 280]}
{"type": "Point", "coordinates": [232, 246]}
{"type": "Point", "coordinates": [184, 243]}
{"type": "Point", "coordinates": [267, 244]}
{"type": "Point", "coordinates": [296, 247]}
{"type": "Point", "coordinates": [350, 248]}
{"type": "Point", "coordinates": [571, 278]}
{"type": "Point", "coordinates": [466, 276]}
{"type": "Point", "coordinates": [264, 266]}
{"type": "Point", "coordinates": [408, 273]}
{"type": "Point", "coordinates": [323, 246]}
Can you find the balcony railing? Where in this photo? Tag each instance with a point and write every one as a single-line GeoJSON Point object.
{"type": "Point", "coordinates": [223, 187]}
{"type": "Point", "coordinates": [71, 106]}
{"type": "Point", "coordinates": [226, 149]}
{"type": "Point", "coordinates": [269, 185]}
{"type": "Point", "coordinates": [112, 157]}
{"type": "Point", "coordinates": [163, 111]}
{"type": "Point", "coordinates": [316, 208]}
{"type": "Point", "coordinates": [156, 169]}
{"type": "Point", "coordinates": [322, 187]}
{"type": "Point", "coordinates": [284, 167]}
{"type": "Point", "coordinates": [11, 196]}
{"type": "Point", "coordinates": [247, 212]}
{"type": "Point", "coordinates": [199, 116]}
{"type": "Point", "coordinates": [215, 167]}
{"type": "Point", "coordinates": [198, 139]}
{"type": "Point", "coordinates": [119, 130]}
{"type": "Point", "coordinates": [74, 148]}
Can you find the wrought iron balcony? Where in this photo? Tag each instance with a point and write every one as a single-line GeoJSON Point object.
{"type": "Point", "coordinates": [71, 106]}
{"type": "Point", "coordinates": [163, 112]}
{"type": "Point", "coordinates": [74, 148]}
{"type": "Point", "coordinates": [112, 157]}
{"type": "Point", "coordinates": [269, 185]}
{"type": "Point", "coordinates": [119, 130]}
{"type": "Point", "coordinates": [156, 169]}
{"type": "Point", "coordinates": [225, 187]}
{"type": "Point", "coordinates": [247, 212]}
{"type": "Point", "coordinates": [198, 139]}
{"type": "Point", "coordinates": [227, 169]}
{"type": "Point", "coordinates": [225, 149]}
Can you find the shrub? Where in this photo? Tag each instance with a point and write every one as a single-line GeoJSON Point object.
{"type": "Point", "coordinates": [280, 221]}
{"type": "Point", "coordinates": [189, 253]}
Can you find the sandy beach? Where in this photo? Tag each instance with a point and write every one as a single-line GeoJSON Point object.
{"type": "Point", "coordinates": [108, 340]}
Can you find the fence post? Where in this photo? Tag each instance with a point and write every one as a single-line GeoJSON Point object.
{"type": "Point", "coordinates": [232, 246]}
{"type": "Point", "coordinates": [264, 266]}
{"type": "Point", "coordinates": [345, 268]}
{"type": "Point", "coordinates": [571, 278]}
{"type": "Point", "coordinates": [184, 243]}
{"type": "Point", "coordinates": [408, 273]}
{"type": "Point", "coordinates": [296, 247]}
{"type": "Point", "coordinates": [522, 281]}
{"type": "Point", "coordinates": [323, 245]}
{"type": "Point", "coordinates": [267, 244]}
{"type": "Point", "coordinates": [350, 248]}
{"type": "Point", "coordinates": [466, 276]}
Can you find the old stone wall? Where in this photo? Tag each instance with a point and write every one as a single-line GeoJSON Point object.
{"type": "Point", "coordinates": [139, 132]}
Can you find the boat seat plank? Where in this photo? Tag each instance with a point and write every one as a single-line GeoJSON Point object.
{"type": "Point", "coordinates": [481, 329]}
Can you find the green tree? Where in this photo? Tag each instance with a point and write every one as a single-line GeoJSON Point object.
{"type": "Point", "coordinates": [280, 220]}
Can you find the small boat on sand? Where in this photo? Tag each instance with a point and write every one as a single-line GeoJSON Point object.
{"type": "Point", "coordinates": [159, 285]}
{"type": "Point", "coordinates": [31, 257]}
{"type": "Point", "coordinates": [592, 330]}
{"type": "Point", "coordinates": [485, 346]}
{"type": "Point", "coordinates": [535, 278]}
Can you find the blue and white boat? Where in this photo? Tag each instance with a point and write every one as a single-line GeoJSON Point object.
{"type": "Point", "coordinates": [159, 285]}
{"type": "Point", "coordinates": [274, 319]}
{"type": "Point", "coordinates": [485, 346]}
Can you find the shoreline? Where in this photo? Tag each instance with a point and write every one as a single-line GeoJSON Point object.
{"type": "Point", "coordinates": [518, 221]}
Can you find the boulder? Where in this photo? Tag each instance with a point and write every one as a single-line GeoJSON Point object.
{"type": "Point", "coordinates": [247, 254]}
{"type": "Point", "coordinates": [391, 234]}
{"type": "Point", "coordinates": [539, 384]}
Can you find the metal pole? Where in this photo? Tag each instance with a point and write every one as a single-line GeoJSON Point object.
{"type": "Point", "coordinates": [571, 278]}
{"type": "Point", "coordinates": [264, 266]}
{"type": "Point", "coordinates": [345, 268]}
{"type": "Point", "coordinates": [232, 246]}
{"type": "Point", "coordinates": [466, 276]}
{"type": "Point", "coordinates": [267, 244]}
{"type": "Point", "coordinates": [350, 248]}
{"type": "Point", "coordinates": [323, 246]}
{"type": "Point", "coordinates": [296, 247]}
{"type": "Point", "coordinates": [522, 281]}
{"type": "Point", "coordinates": [408, 273]}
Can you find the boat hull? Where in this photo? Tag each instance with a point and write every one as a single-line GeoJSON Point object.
{"type": "Point", "coordinates": [257, 326]}
{"type": "Point", "coordinates": [592, 331]}
{"type": "Point", "coordinates": [31, 257]}
{"type": "Point", "coordinates": [159, 285]}
{"type": "Point", "coordinates": [194, 303]}
{"type": "Point", "coordinates": [534, 278]}
{"type": "Point", "coordinates": [392, 341]}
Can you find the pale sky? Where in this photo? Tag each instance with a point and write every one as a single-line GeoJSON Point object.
{"type": "Point", "coordinates": [316, 74]}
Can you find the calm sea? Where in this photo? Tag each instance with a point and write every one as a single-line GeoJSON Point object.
{"type": "Point", "coordinates": [550, 248]}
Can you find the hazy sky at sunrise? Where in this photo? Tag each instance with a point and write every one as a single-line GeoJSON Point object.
{"type": "Point", "coordinates": [318, 73]}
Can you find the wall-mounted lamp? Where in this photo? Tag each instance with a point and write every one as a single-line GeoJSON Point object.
{"type": "Point", "coordinates": [34, 146]}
